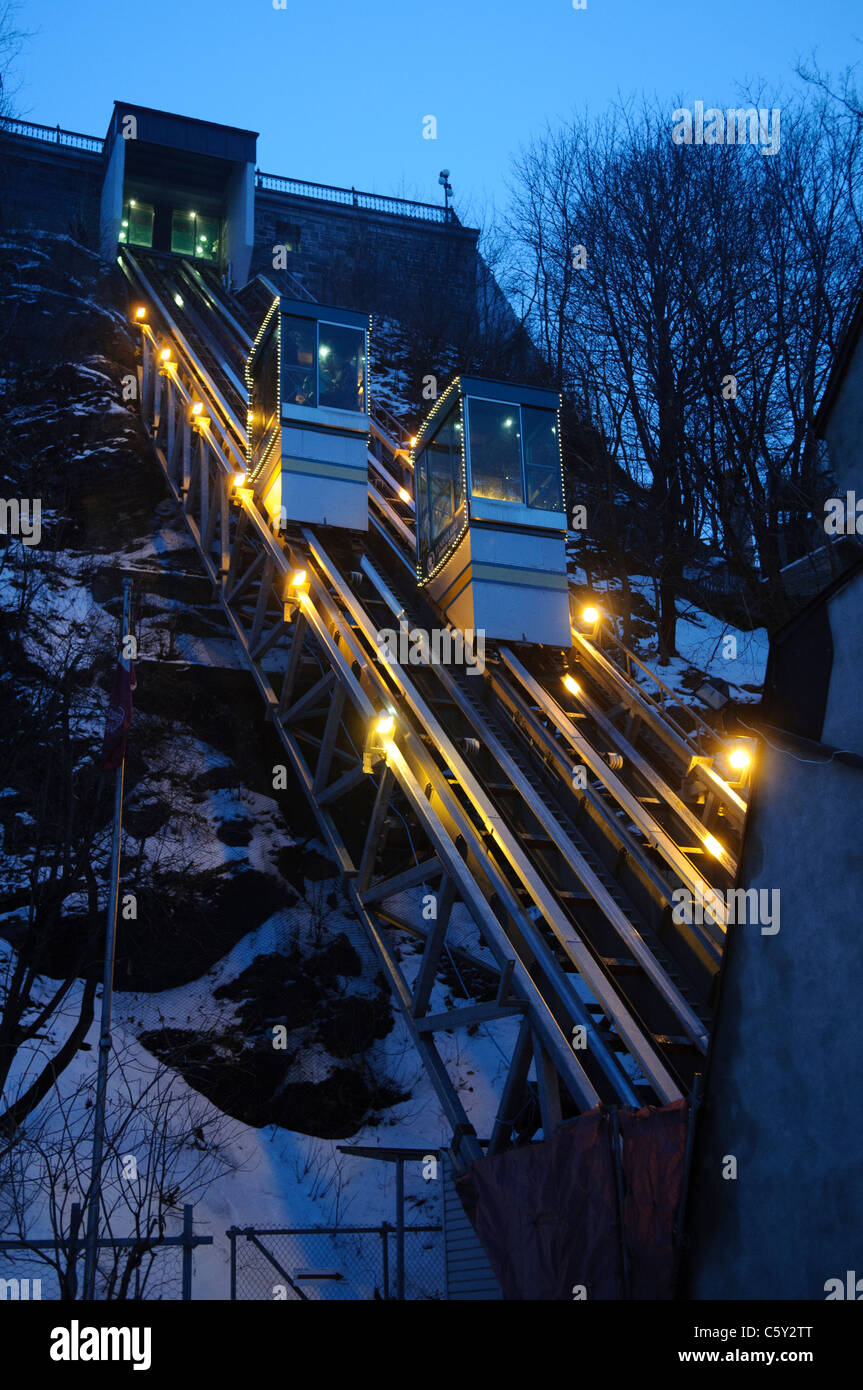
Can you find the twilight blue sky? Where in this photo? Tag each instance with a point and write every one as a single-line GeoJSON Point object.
{"type": "Point", "coordinates": [338, 89]}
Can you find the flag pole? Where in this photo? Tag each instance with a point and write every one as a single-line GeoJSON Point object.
{"type": "Point", "coordinates": [90, 1251]}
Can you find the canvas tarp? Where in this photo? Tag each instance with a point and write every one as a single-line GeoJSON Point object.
{"type": "Point", "coordinates": [548, 1214]}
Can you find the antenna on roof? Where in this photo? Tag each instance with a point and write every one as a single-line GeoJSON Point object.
{"type": "Point", "coordinates": [443, 180]}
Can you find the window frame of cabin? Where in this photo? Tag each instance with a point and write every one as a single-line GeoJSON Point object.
{"type": "Point", "coordinates": [553, 467]}
{"type": "Point", "coordinates": [285, 367]}
{"type": "Point", "coordinates": [352, 411]}
{"type": "Point", "coordinates": [512, 408]}
{"type": "Point", "coordinates": [518, 408]}
{"type": "Point", "coordinates": [362, 389]}
{"type": "Point", "coordinates": [427, 538]}
{"type": "Point", "coordinates": [134, 207]}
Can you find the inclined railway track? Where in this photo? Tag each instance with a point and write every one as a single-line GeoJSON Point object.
{"type": "Point", "coordinates": [569, 886]}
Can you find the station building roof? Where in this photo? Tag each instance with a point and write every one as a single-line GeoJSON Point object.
{"type": "Point", "coordinates": [187, 133]}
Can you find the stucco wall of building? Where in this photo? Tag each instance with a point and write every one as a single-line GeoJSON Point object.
{"type": "Point", "coordinates": [786, 1072]}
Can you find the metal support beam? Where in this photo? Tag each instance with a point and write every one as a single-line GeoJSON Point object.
{"type": "Point", "coordinates": [433, 947]}
{"type": "Point", "coordinates": [386, 786]}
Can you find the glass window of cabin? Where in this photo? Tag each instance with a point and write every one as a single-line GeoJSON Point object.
{"type": "Point", "coordinates": [421, 490]}
{"type": "Point", "coordinates": [495, 451]}
{"type": "Point", "coordinates": [183, 233]}
{"type": "Point", "coordinates": [541, 459]}
{"type": "Point", "coordinates": [444, 474]}
{"type": "Point", "coordinates": [207, 238]}
{"type": "Point", "coordinates": [137, 224]}
{"type": "Point", "coordinates": [457, 459]}
{"type": "Point", "coordinates": [264, 399]}
{"type": "Point", "coordinates": [299, 344]}
{"type": "Point", "coordinates": [341, 367]}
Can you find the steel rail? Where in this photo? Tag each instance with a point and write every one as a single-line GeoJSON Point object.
{"type": "Point", "coordinates": [579, 953]}
{"type": "Point", "coordinates": [215, 395]}
{"type": "Point", "coordinates": [655, 780]}
{"type": "Point", "coordinates": [244, 339]}
{"type": "Point", "coordinates": [682, 736]}
{"type": "Point", "coordinates": [660, 840]}
{"type": "Point", "coordinates": [493, 825]}
{"type": "Point", "coordinates": [640, 703]}
{"type": "Point", "coordinates": [586, 875]}
{"type": "Point", "coordinates": [394, 520]}
{"type": "Point", "coordinates": [389, 479]}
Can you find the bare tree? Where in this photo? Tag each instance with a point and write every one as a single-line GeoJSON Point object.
{"type": "Point", "coordinates": [66, 816]}
{"type": "Point", "coordinates": [164, 1147]}
{"type": "Point", "coordinates": [843, 89]}
{"type": "Point", "coordinates": [689, 300]}
{"type": "Point", "coordinates": [12, 39]}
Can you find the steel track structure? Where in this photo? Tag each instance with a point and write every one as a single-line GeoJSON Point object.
{"type": "Point", "coordinates": [600, 1008]}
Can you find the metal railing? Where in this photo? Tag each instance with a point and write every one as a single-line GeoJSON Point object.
{"type": "Point", "coordinates": [324, 192]}
{"type": "Point", "coordinates": [637, 673]}
{"type": "Point", "coordinates": [323, 1263]}
{"type": "Point", "coordinates": [54, 1261]}
{"type": "Point", "coordinates": [354, 197]}
{"type": "Point", "coordinates": [52, 134]}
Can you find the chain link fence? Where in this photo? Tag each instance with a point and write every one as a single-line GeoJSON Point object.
{"type": "Point", "coordinates": [317, 1263]}
{"type": "Point", "coordinates": [129, 1267]}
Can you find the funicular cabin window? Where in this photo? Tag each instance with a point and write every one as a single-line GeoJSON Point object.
{"type": "Point", "coordinates": [207, 238]}
{"type": "Point", "coordinates": [264, 400]}
{"type": "Point", "coordinates": [495, 451]}
{"type": "Point", "coordinates": [541, 459]}
{"type": "Point", "coordinates": [183, 233]}
{"type": "Point", "coordinates": [443, 462]}
{"type": "Point", "coordinates": [195, 236]}
{"type": "Point", "coordinates": [299, 385]}
{"type": "Point", "coordinates": [136, 228]}
{"type": "Point", "coordinates": [514, 455]}
{"type": "Point", "coordinates": [341, 367]}
{"type": "Point", "coordinates": [439, 482]}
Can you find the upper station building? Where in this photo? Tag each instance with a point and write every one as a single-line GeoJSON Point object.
{"type": "Point", "coordinates": [179, 185]}
{"type": "Point", "coordinates": [193, 188]}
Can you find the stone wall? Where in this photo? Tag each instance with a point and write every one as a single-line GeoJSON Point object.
{"type": "Point", "coordinates": [421, 272]}
{"type": "Point", "coordinates": [428, 275]}
{"type": "Point", "coordinates": [54, 188]}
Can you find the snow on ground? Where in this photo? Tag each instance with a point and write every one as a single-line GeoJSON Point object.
{"type": "Point", "coordinates": [269, 1175]}
{"type": "Point", "coordinates": [704, 642]}
{"type": "Point", "coordinates": [273, 1177]}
